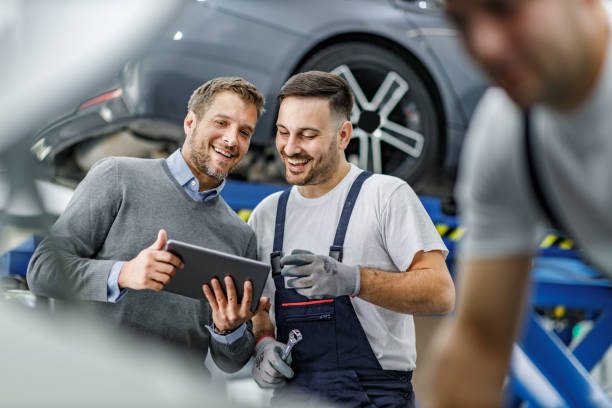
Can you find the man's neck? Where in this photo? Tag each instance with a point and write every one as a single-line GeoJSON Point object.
{"type": "Point", "coordinates": [317, 190]}
{"type": "Point", "coordinates": [205, 181]}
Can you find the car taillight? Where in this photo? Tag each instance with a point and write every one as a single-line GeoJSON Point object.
{"type": "Point", "coordinates": [115, 93]}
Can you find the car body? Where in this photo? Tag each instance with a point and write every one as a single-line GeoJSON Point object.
{"type": "Point", "coordinates": [415, 88]}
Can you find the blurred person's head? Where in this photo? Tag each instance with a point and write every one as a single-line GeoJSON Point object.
{"type": "Point", "coordinates": [221, 118]}
{"type": "Point", "coordinates": [313, 126]}
{"type": "Point", "coordinates": [548, 51]}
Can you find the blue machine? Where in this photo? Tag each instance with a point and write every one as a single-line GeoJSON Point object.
{"type": "Point", "coordinates": [544, 372]}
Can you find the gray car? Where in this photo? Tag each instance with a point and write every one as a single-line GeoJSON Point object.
{"type": "Point", "coordinates": [414, 88]}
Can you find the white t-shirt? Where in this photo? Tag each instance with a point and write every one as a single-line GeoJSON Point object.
{"type": "Point", "coordinates": [574, 159]}
{"type": "Point", "coordinates": [388, 227]}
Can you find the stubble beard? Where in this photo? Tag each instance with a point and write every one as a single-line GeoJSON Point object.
{"type": "Point", "coordinates": [327, 164]}
{"type": "Point", "coordinates": [202, 162]}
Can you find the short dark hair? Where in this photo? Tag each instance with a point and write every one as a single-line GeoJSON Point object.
{"type": "Point", "coordinates": [319, 84]}
{"type": "Point", "coordinates": [203, 96]}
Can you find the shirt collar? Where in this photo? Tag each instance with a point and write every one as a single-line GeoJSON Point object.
{"type": "Point", "coordinates": [182, 173]}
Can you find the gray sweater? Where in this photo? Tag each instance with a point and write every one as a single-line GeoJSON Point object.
{"type": "Point", "coordinates": [116, 212]}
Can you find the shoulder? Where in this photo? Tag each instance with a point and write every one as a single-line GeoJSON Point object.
{"type": "Point", "coordinates": [267, 205]}
{"type": "Point", "coordinates": [496, 124]}
{"type": "Point", "coordinates": [491, 148]}
{"type": "Point", "coordinates": [265, 211]}
{"type": "Point", "coordinates": [136, 164]}
{"type": "Point", "coordinates": [382, 188]}
{"type": "Point", "coordinates": [230, 223]}
{"type": "Point", "coordinates": [126, 165]}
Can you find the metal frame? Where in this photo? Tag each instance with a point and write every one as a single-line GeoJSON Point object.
{"type": "Point", "coordinates": [565, 371]}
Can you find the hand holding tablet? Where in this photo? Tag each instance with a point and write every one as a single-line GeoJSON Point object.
{"type": "Point", "coordinates": [226, 312]}
{"type": "Point", "coordinates": [203, 265]}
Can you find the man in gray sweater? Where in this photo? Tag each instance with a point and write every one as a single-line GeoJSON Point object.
{"type": "Point", "coordinates": [104, 246]}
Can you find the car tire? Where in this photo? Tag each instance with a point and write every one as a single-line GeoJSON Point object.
{"type": "Point", "coordinates": [397, 133]}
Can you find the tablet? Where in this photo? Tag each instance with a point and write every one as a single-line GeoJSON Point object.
{"type": "Point", "coordinates": [203, 264]}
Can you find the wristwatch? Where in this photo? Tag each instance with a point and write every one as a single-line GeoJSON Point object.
{"type": "Point", "coordinates": [222, 332]}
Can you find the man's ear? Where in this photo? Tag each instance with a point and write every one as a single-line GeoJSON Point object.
{"type": "Point", "coordinates": [189, 124]}
{"type": "Point", "coordinates": [344, 134]}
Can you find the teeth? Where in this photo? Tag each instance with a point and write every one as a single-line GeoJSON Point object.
{"type": "Point", "coordinates": [297, 162]}
{"type": "Point", "coordinates": [222, 152]}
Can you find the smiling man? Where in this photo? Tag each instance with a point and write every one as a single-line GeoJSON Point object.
{"type": "Point", "coordinates": [360, 257]}
{"type": "Point", "coordinates": [100, 247]}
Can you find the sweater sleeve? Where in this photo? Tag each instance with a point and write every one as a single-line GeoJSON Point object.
{"type": "Point", "coordinates": [232, 357]}
{"type": "Point", "coordinates": [63, 265]}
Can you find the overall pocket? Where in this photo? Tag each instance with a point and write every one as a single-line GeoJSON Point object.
{"type": "Point", "coordinates": [317, 323]}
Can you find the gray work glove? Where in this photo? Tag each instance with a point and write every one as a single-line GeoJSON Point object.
{"type": "Point", "coordinates": [320, 276]}
{"type": "Point", "coordinates": [270, 370]}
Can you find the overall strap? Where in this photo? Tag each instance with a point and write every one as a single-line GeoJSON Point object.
{"type": "Point", "coordinates": [335, 251]}
{"type": "Point", "coordinates": [279, 232]}
{"type": "Point", "coordinates": [534, 176]}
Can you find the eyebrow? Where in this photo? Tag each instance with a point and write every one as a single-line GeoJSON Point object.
{"type": "Point", "coordinates": [300, 129]}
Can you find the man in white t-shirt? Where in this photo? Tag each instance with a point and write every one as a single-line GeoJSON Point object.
{"type": "Point", "coordinates": [378, 263]}
{"type": "Point", "coordinates": [538, 151]}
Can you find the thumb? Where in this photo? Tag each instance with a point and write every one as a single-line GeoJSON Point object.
{"type": "Point", "coordinates": [264, 305]}
{"type": "Point", "coordinates": [301, 251]}
{"type": "Point", "coordinates": [160, 242]}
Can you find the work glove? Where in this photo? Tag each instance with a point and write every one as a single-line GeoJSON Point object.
{"type": "Point", "coordinates": [320, 276]}
{"type": "Point", "coordinates": [270, 370]}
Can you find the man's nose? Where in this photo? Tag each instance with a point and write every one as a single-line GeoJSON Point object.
{"type": "Point", "coordinates": [293, 146]}
{"type": "Point", "coordinates": [230, 137]}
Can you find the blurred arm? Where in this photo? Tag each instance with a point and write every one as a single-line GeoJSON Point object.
{"type": "Point", "coordinates": [471, 354]}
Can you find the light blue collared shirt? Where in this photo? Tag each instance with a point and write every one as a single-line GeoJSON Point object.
{"type": "Point", "coordinates": [182, 174]}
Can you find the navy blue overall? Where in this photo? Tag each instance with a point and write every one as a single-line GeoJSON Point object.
{"type": "Point", "coordinates": [334, 360]}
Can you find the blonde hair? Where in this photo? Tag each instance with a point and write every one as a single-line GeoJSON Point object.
{"type": "Point", "coordinates": [202, 97]}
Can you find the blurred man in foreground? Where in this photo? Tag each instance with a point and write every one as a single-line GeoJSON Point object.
{"type": "Point", "coordinates": [538, 151]}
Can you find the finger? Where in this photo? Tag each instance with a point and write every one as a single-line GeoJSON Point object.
{"type": "Point", "coordinates": [169, 258]}
{"type": "Point", "coordinates": [160, 242]}
{"type": "Point", "coordinates": [311, 293]}
{"type": "Point", "coordinates": [297, 271]}
{"type": "Point", "coordinates": [272, 375]}
{"type": "Point", "coordinates": [300, 283]}
{"type": "Point", "coordinates": [153, 285]}
{"type": "Point", "coordinates": [210, 297]}
{"type": "Point", "coordinates": [280, 366]}
{"type": "Point", "coordinates": [247, 300]}
{"type": "Point", "coordinates": [270, 381]}
{"type": "Point", "coordinates": [166, 269]}
{"type": "Point", "coordinates": [301, 251]}
{"type": "Point", "coordinates": [264, 305]}
{"type": "Point", "coordinates": [219, 294]}
{"type": "Point", "coordinates": [230, 288]}
{"type": "Point", "coordinates": [160, 277]}
{"type": "Point", "coordinates": [297, 259]}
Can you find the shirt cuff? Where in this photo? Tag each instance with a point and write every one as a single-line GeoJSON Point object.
{"type": "Point", "coordinates": [228, 338]}
{"type": "Point", "coordinates": [112, 284]}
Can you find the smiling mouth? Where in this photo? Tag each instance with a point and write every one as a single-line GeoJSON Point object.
{"type": "Point", "coordinates": [297, 162]}
{"type": "Point", "coordinates": [223, 153]}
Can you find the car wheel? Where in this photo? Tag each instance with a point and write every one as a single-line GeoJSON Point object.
{"type": "Point", "coordinates": [395, 123]}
